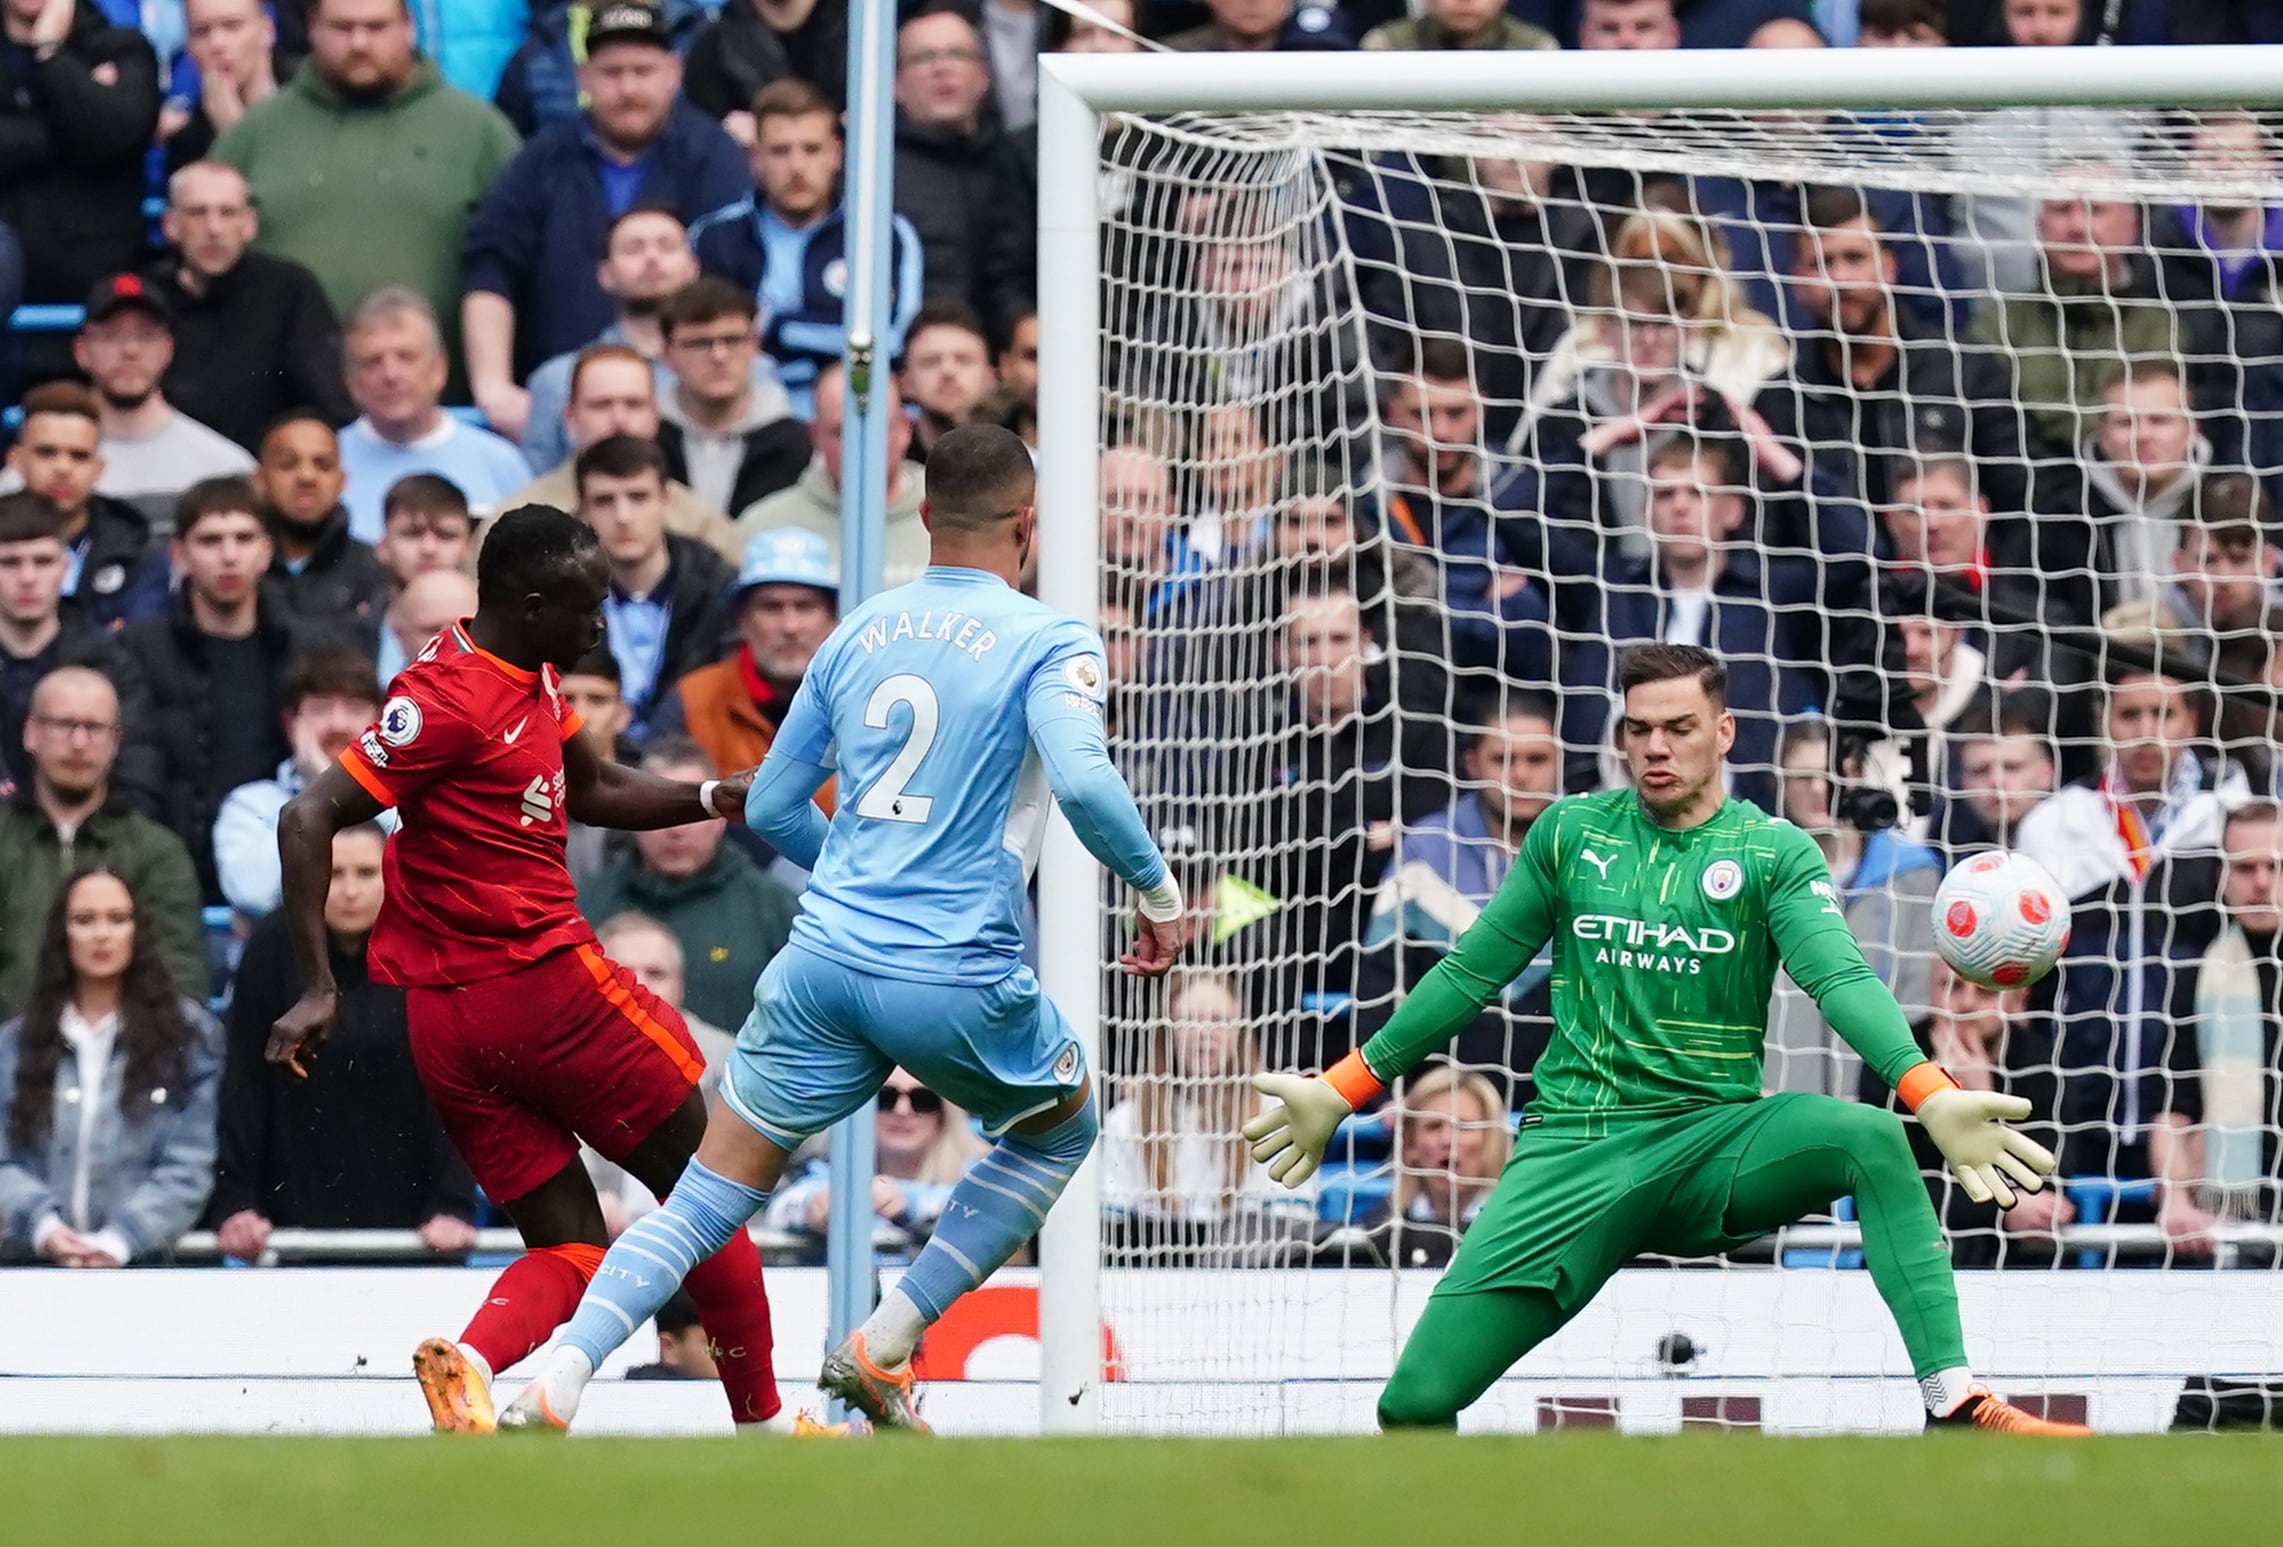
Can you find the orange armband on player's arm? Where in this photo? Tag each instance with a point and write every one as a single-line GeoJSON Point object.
{"type": "Point", "coordinates": [1355, 1082]}
{"type": "Point", "coordinates": [1922, 1080]}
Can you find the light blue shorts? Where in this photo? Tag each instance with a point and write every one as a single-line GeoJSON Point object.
{"type": "Point", "coordinates": [823, 1036]}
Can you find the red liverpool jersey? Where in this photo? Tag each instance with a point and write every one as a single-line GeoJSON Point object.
{"type": "Point", "coordinates": [470, 752]}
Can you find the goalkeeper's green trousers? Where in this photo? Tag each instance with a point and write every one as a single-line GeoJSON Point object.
{"type": "Point", "coordinates": [1582, 1196]}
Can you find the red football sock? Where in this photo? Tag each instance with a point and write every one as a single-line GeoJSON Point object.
{"type": "Point", "coordinates": [529, 1301]}
{"type": "Point", "coordinates": [733, 1307]}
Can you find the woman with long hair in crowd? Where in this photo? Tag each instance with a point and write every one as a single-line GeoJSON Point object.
{"type": "Point", "coordinates": [1452, 1140]}
{"type": "Point", "coordinates": [923, 1144]}
{"type": "Point", "coordinates": [1667, 265]}
{"type": "Point", "coordinates": [109, 1079]}
{"type": "Point", "coordinates": [1176, 1169]}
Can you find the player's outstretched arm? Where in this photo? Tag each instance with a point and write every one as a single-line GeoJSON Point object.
{"type": "Point", "coordinates": [602, 793]}
{"type": "Point", "coordinates": [1824, 959]}
{"type": "Point", "coordinates": [331, 803]}
{"type": "Point", "coordinates": [1290, 1137]}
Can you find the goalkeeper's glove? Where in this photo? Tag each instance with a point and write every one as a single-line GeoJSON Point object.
{"type": "Point", "coordinates": [1969, 1127]}
{"type": "Point", "coordinates": [1291, 1136]}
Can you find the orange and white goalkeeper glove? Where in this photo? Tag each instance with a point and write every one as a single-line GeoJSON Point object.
{"type": "Point", "coordinates": [1291, 1136]}
{"type": "Point", "coordinates": [1969, 1127]}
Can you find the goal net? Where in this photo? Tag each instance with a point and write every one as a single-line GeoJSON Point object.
{"type": "Point", "coordinates": [1953, 433]}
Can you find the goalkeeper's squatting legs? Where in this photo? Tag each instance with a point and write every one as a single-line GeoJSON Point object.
{"type": "Point", "coordinates": [1808, 1151]}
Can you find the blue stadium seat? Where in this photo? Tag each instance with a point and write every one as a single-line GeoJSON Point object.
{"type": "Point", "coordinates": [1828, 1257]}
{"type": "Point", "coordinates": [2096, 1199]}
{"type": "Point", "coordinates": [46, 319]}
{"type": "Point", "coordinates": [1346, 1192]}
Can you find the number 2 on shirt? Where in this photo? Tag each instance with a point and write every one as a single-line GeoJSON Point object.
{"type": "Point", "coordinates": [886, 801]}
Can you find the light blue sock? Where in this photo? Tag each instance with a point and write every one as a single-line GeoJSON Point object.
{"type": "Point", "coordinates": [997, 1206]}
{"type": "Point", "coordinates": [648, 1263]}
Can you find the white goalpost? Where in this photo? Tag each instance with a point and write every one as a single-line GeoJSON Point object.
{"type": "Point", "coordinates": [1340, 209]}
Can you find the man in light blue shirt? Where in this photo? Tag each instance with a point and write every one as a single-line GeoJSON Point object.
{"type": "Point", "coordinates": [955, 713]}
{"type": "Point", "coordinates": [397, 370]}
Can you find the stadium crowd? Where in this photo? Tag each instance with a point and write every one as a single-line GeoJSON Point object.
{"type": "Point", "coordinates": [1974, 493]}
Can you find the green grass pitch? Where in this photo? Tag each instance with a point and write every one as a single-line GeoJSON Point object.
{"type": "Point", "coordinates": [1575, 1490]}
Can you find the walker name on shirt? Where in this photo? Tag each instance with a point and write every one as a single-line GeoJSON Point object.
{"type": "Point", "coordinates": [1623, 942]}
{"type": "Point", "coordinates": [956, 629]}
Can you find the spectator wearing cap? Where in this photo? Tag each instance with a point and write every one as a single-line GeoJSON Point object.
{"type": "Point", "coordinates": [785, 603]}
{"type": "Point", "coordinates": [38, 634]}
{"type": "Point", "coordinates": [725, 433]}
{"type": "Point", "coordinates": [1460, 24]}
{"type": "Point", "coordinates": [664, 610]}
{"type": "Point", "coordinates": [216, 665]}
{"type": "Point", "coordinates": [786, 242]}
{"type": "Point", "coordinates": [613, 392]}
{"type": "Point", "coordinates": [328, 698]}
{"type": "Point", "coordinates": [1265, 26]}
{"type": "Point", "coordinates": [319, 574]}
{"type": "Point", "coordinates": [814, 501]}
{"type": "Point", "coordinates": [542, 85]}
{"type": "Point", "coordinates": [152, 451]}
{"type": "Point", "coordinates": [397, 371]}
{"type": "Point", "coordinates": [81, 102]}
{"type": "Point", "coordinates": [957, 177]}
{"type": "Point", "coordinates": [113, 574]}
{"type": "Point", "coordinates": [233, 62]}
{"type": "Point", "coordinates": [253, 334]}
{"type": "Point", "coordinates": [366, 166]}
{"type": "Point", "coordinates": [535, 247]}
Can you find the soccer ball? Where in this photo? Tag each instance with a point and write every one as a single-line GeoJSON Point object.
{"type": "Point", "coordinates": [2000, 920]}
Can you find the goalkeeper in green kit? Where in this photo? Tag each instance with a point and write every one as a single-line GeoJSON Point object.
{"type": "Point", "coordinates": [1669, 907]}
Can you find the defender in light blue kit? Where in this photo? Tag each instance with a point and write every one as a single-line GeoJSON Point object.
{"type": "Point", "coordinates": [953, 711]}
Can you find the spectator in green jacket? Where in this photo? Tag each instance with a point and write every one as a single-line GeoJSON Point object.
{"type": "Point", "coordinates": [2098, 307]}
{"type": "Point", "coordinates": [1460, 24]}
{"type": "Point", "coordinates": [730, 916]}
{"type": "Point", "coordinates": [66, 816]}
{"type": "Point", "coordinates": [366, 165]}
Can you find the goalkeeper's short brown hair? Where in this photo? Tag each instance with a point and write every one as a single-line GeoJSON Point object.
{"type": "Point", "coordinates": [1640, 665]}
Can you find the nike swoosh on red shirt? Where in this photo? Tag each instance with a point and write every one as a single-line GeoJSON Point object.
{"type": "Point", "coordinates": [509, 738]}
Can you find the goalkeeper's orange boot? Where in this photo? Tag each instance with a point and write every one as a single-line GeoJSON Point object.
{"type": "Point", "coordinates": [1984, 1410]}
{"type": "Point", "coordinates": [459, 1398]}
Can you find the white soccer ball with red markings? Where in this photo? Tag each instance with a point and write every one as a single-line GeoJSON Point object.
{"type": "Point", "coordinates": [2000, 920]}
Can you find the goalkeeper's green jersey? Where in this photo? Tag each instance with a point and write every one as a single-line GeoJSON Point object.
{"type": "Point", "coordinates": [1665, 948]}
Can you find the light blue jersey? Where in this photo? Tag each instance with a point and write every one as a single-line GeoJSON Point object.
{"type": "Point", "coordinates": [952, 710]}
{"type": "Point", "coordinates": [944, 706]}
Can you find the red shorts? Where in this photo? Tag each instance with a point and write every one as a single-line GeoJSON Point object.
{"type": "Point", "coordinates": [523, 1066]}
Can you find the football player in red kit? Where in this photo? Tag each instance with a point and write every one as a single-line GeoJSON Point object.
{"type": "Point", "coordinates": [526, 1036]}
